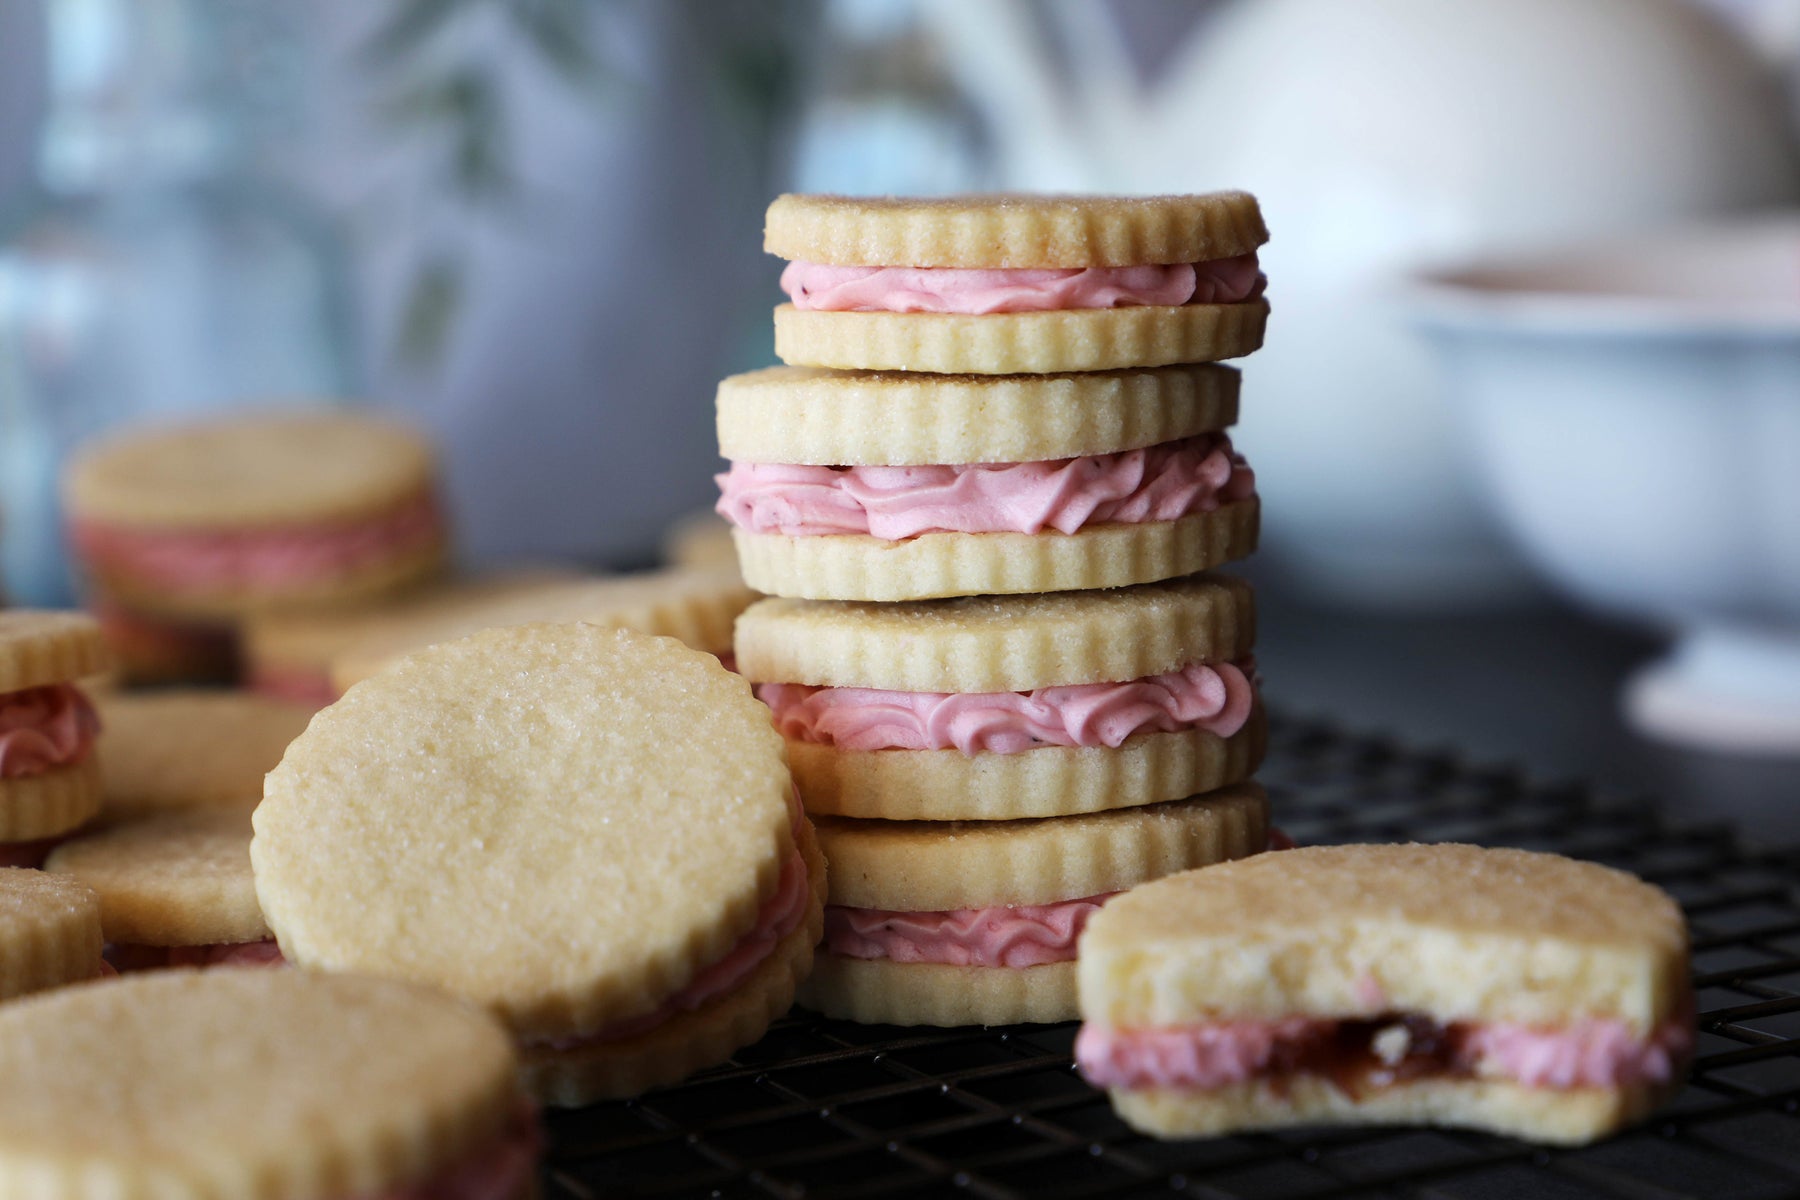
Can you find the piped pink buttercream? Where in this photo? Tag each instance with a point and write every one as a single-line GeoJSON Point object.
{"type": "Point", "coordinates": [973, 291]}
{"type": "Point", "coordinates": [43, 728]}
{"type": "Point", "coordinates": [1028, 935]}
{"type": "Point", "coordinates": [1157, 483]}
{"type": "Point", "coordinates": [278, 556]}
{"type": "Point", "coordinates": [1216, 697]}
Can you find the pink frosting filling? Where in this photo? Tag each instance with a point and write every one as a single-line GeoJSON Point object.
{"type": "Point", "coordinates": [825, 288]}
{"type": "Point", "coordinates": [268, 557]}
{"type": "Point", "coordinates": [297, 684]}
{"type": "Point", "coordinates": [1593, 1052]}
{"type": "Point", "coordinates": [1028, 935]}
{"type": "Point", "coordinates": [496, 1170]}
{"type": "Point", "coordinates": [1216, 697]}
{"type": "Point", "coordinates": [1156, 483]}
{"type": "Point", "coordinates": [43, 728]}
{"type": "Point", "coordinates": [129, 956]}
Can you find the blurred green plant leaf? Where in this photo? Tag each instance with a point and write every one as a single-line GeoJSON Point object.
{"type": "Point", "coordinates": [558, 31]}
{"type": "Point", "coordinates": [412, 23]}
{"type": "Point", "coordinates": [433, 300]}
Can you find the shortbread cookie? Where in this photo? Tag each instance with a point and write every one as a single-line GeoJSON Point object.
{"type": "Point", "coordinates": [947, 923]}
{"type": "Point", "coordinates": [701, 540]}
{"type": "Point", "coordinates": [49, 932]}
{"type": "Point", "coordinates": [289, 654]}
{"type": "Point", "coordinates": [175, 889]}
{"type": "Point", "coordinates": [1002, 285]}
{"type": "Point", "coordinates": [192, 748]}
{"type": "Point", "coordinates": [589, 831]}
{"type": "Point", "coordinates": [49, 773]}
{"type": "Point", "coordinates": [1518, 992]}
{"type": "Point", "coordinates": [259, 1085]}
{"type": "Point", "coordinates": [1136, 482]}
{"type": "Point", "coordinates": [251, 512]}
{"type": "Point", "coordinates": [1002, 707]}
{"type": "Point", "coordinates": [693, 605]}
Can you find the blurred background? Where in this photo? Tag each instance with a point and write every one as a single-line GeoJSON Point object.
{"type": "Point", "coordinates": [1527, 426]}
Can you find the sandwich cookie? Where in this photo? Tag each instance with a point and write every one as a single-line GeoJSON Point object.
{"type": "Point", "coordinates": [953, 923]}
{"type": "Point", "coordinates": [695, 606]}
{"type": "Point", "coordinates": [159, 650]}
{"type": "Point", "coordinates": [259, 1085]}
{"type": "Point", "coordinates": [1002, 285]}
{"type": "Point", "coordinates": [893, 486]}
{"type": "Point", "coordinates": [191, 748]}
{"type": "Point", "coordinates": [49, 773]}
{"type": "Point", "coordinates": [220, 519]}
{"type": "Point", "coordinates": [1000, 707]}
{"type": "Point", "coordinates": [590, 832]}
{"type": "Point", "coordinates": [49, 932]}
{"type": "Point", "coordinates": [175, 890]}
{"type": "Point", "coordinates": [1521, 993]}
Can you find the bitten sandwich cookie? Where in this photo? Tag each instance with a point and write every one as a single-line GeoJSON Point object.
{"type": "Point", "coordinates": [259, 1085]}
{"type": "Point", "coordinates": [49, 774]}
{"type": "Point", "coordinates": [1522, 993]}
{"type": "Point", "coordinates": [191, 748]}
{"type": "Point", "coordinates": [252, 512]}
{"type": "Point", "coordinates": [1001, 285]}
{"type": "Point", "coordinates": [952, 923]}
{"type": "Point", "coordinates": [591, 832]}
{"type": "Point", "coordinates": [1000, 707]}
{"type": "Point", "coordinates": [175, 890]}
{"type": "Point", "coordinates": [49, 932]}
{"type": "Point", "coordinates": [893, 486]}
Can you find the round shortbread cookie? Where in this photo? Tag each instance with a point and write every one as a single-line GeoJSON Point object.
{"type": "Point", "coordinates": [182, 749]}
{"type": "Point", "coordinates": [692, 605]}
{"type": "Point", "coordinates": [1023, 343]}
{"type": "Point", "coordinates": [247, 471]}
{"type": "Point", "coordinates": [1454, 932]}
{"type": "Point", "coordinates": [1046, 781]}
{"type": "Point", "coordinates": [40, 647]}
{"type": "Point", "coordinates": [688, 1041]}
{"type": "Point", "coordinates": [999, 643]}
{"type": "Point", "coordinates": [937, 866]}
{"type": "Point", "coordinates": [49, 932]}
{"type": "Point", "coordinates": [561, 822]}
{"type": "Point", "coordinates": [1013, 231]}
{"type": "Point", "coordinates": [51, 803]}
{"type": "Point", "coordinates": [879, 991]}
{"type": "Point", "coordinates": [701, 540]}
{"type": "Point", "coordinates": [173, 879]}
{"type": "Point", "coordinates": [258, 1085]}
{"type": "Point", "coordinates": [806, 415]}
{"type": "Point", "coordinates": [854, 566]}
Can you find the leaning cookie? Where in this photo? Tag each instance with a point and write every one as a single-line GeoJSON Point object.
{"type": "Point", "coordinates": [49, 773]}
{"type": "Point", "coordinates": [951, 923]}
{"type": "Point", "coordinates": [49, 932]}
{"type": "Point", "coordinates": [1000, 707]}
{"type": "Point", "coordinates": [219, 519]}
{"type": "Point", "coordinates": [1001, 285]}
{"type": "Point", "coordinates": [259, 1085]}
{"type": "Point", "coordinates": [589, 831]}
{"type": "Point", "coordinates": [175, 890]}
{"type": "Point", "coordinates": [894, 486]}
{"type": "Point", "coordinates": [1517, 992]}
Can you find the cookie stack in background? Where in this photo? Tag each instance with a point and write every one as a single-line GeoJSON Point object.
{"type": "Point", "coordinates": [984, 495]}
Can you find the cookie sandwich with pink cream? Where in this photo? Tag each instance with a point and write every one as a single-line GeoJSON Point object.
{"type": "Point", "coordinates": [49, 772]}
{"type": "Point", "coordinates": [893, 486]}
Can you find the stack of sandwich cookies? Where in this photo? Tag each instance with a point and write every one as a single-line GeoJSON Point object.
{"type": "Point", "coordinates": [590, 832]}
{"type": "Point", "coordinates": [49, 773]}
{"type": "Point", "coordinates": [49, 932]}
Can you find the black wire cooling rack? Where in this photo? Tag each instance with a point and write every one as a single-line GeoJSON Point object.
{"type": "Point", "coordinates": [827, 1108]}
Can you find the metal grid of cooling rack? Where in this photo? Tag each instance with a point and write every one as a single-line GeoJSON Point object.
{"type": "Point", "coordinates": [827, 1108]}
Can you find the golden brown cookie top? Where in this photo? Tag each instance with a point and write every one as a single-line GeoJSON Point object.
{"type": "Point", "coordinates": [44, 646]}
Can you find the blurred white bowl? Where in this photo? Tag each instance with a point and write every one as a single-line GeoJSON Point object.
{"type": "Point", "coordinates": [1635, 413]}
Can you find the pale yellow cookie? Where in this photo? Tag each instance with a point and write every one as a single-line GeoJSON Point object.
{"type": "Point", "coordinates": [701, 540]}
{"type": "Point", "coordinates": [932, 866]}
{"type": "Point", "coordinates": [39, 647]}
{"type": "Point", "coordinates": [1013, 231]}
{"type": "Point", "coordinates": [182, 749]}
{"type": "Point", "coordinates": [564, 823]}
{"type": "Point", "coordinates": [173, 879]}
{"type": "Point", "coordinates": [49, 932]}
{"type": "Point", "coordinates": [1023, 343]}
{"type": "Point", "coordinates": [255, 1085]}
{"type": "Point", "coordinates": [879, 991]}
{"type": "Point", "coordinates": [805, 415]}
{"type": "Point", "coordinates": [693, 605]}
{"type": "Point", "coordinates": [46, 805]}
{"type": "Point", "coordinates": [932, 565]}
{"type": "Point", "coordinates": [999, 643]}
